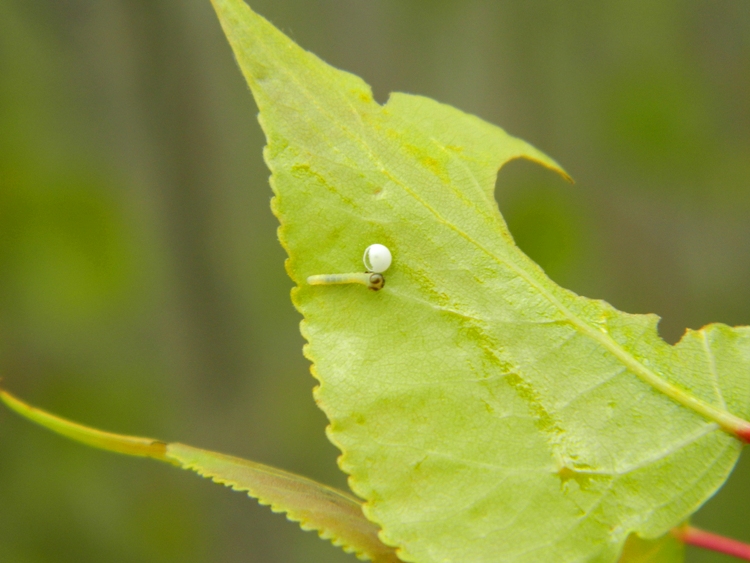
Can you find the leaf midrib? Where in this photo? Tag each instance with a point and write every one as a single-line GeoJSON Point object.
{"type": "Point", "coordinates": [726, 420]}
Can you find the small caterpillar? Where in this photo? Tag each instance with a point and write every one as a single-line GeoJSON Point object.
{"type": "Point", "coordinates": [377, 259]}
{"type": "Point", "coordinates": [372, 280]}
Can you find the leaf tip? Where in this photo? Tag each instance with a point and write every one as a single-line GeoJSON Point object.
{"type": "Point", "coordinates": [551, 165]}
{"type": "Point", "coordinates": [118, 443]}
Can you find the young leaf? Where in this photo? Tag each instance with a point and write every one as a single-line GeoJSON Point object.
{"type": "Point", "coordinates": [484, 413]}
{"type": "Point", "coordinates": [334, 514]}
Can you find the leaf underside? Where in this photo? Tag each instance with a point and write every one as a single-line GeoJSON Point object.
{"type": "Point", "coordinates": [667, 549]}
{"type": "Point", "coordinates": [335, 515]}
{"type": "Point", "coordinates": [484, 413]}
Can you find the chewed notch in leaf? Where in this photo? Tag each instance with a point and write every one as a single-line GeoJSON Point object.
{"type": "Point", "coordinates": [485, 413]}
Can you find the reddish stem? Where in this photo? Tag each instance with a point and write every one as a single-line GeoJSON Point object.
{"type": "Point", "coordinates": [744, 433]}
{"type": "Point", "coordinates": [713, 542]}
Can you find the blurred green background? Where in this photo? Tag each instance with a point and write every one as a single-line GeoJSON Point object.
{"type": "Point", "coordinates": [142, 289]}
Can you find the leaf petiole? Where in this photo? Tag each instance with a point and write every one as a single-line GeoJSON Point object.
{"type": "Point", "coordinates": [713, 542]}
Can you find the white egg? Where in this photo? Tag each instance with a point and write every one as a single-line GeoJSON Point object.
{"type": "Point", "coordinates": [377, 258]}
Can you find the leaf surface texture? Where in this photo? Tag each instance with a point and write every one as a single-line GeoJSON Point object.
{"type": "Point", "coordinates": [483, 412]}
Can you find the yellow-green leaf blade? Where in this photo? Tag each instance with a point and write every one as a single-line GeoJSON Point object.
{"type": "Point", "coordinates": [485, 413]}
{"type": "Point", "coordinates": [335, 515]}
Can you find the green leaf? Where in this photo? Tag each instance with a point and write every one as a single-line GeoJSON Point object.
{"type": "Point", "coordinates": [334, 514]}
{"type": "Point", "coordinates": [484, 413]}
{"type": "Point", "coordinates": [667, 549]}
